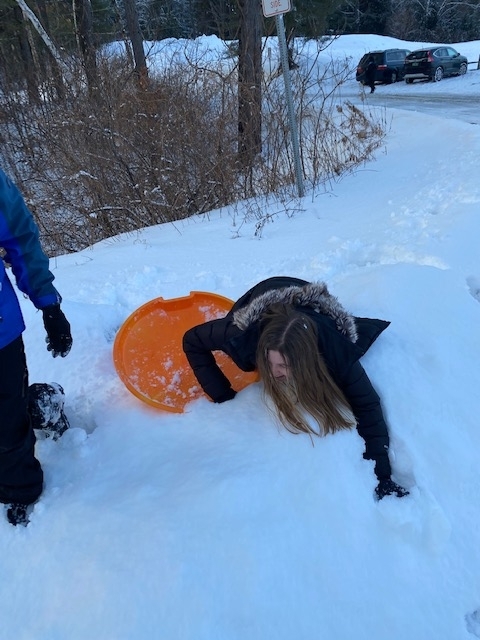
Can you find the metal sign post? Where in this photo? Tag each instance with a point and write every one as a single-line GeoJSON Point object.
{"type": "Point", "coordinates": [277, 8]}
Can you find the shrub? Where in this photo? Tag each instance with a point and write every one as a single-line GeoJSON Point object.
{"type": "Point", "coordinates": [93, 164]}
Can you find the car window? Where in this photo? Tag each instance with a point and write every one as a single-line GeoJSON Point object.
{"type": "Point", "coordinates": [378, 58]}
{"type": "Point", "coordinates": [451, 52]}
{"type": "Point", "coordinates": [440, 53]}
{"type": "Point", "coordinates": [392, 57]}
{"type": "Point", "coordinates": [395, 56]}
{"type": "Point", "coordinates": [417, 55]}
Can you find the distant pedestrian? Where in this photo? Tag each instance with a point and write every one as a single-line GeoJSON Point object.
{"type": "Point", "coordinates": [370, 73]}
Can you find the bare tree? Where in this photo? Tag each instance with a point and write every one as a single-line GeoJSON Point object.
{"type": "Point", "coordinates": [29, 62]}
{"type": "Point", "coordinates": [249, 81]}
{"type": "Point", "coordinates": [30, 15]}
{"type": "Point", "coordinates": [435, 20]}
{"type": "Point", "coordinates": [82, 11]}
{"type": "Point", "coordinates": [136, 38]}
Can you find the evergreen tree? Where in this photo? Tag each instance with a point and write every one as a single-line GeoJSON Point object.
{"type": "Point", "coordinates": [361, 16]}
{"type": "Point", "coordinates": [308, 18]}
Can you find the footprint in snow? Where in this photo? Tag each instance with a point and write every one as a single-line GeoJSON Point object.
{"type": "Point", "coordinates": [472, 620]}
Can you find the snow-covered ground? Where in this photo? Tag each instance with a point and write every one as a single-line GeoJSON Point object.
{"type": "Point", "coordinates": [217, 524]}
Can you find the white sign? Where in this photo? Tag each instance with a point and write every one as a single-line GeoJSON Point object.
{"type": "Point", "coordinates": [275, 7]}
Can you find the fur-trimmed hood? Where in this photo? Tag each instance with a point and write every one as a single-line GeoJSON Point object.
{"type": "Point", "coordinates": [314, 295]}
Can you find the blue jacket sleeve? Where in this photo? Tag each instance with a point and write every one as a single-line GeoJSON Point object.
{"type": "Point", "coordinates": [20, 238]}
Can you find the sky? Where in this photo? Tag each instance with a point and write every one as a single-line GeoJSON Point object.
{"type": "Point", "coordinates": [216, 523]}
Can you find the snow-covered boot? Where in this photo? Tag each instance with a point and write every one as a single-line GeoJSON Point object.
{"type": "Point", "coordinates": [18, 513]}
{"type": "Point", "coordinates": [45, 406]}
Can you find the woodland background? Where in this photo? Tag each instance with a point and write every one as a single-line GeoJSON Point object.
{"type": "Point", "coordinates": [101, 144]}
{"type": "Point", "coordinates": [429, 20]}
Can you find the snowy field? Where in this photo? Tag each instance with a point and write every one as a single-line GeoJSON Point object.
{"type": "Point", "coordinates": [215, 524]}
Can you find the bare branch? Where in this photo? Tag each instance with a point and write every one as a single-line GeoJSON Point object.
{"type": "Point", "coordinates": [29, 14]}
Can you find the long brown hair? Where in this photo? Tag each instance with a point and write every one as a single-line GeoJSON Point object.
{"type": "Point", "coordinates": [309, 387]}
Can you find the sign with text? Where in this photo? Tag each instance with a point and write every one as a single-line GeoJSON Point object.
{"type": "Point", "coordinates": [275, 7]}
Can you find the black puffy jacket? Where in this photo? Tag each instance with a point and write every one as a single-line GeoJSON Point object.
{"type": "Point", "coordinates": [342, 340]}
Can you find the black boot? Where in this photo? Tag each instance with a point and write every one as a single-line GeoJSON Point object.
{"type": "Point", "coordinates": [45, 406]}
{"type": "Point", "coordinates": [18, 514]}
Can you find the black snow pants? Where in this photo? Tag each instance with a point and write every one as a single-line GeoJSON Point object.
{"type": "Point", "coordinates": [21, 476]}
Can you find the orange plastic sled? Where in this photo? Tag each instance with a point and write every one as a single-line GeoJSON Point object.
{"type": "Point", "coordinates": [149, 357]}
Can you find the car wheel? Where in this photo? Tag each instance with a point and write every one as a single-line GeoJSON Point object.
{"type": "Point", "coordinates": [463, 69]}
{"type": "Point", "coordinates": [409, 80]}
{"type": "Point", "coordinates": [438, 74]}
{"type": "Point", "coordinates": [393, 77]}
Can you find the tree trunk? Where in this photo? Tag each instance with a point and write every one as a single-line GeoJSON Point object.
{"type": "Point", "coordinates": [57, 88]}
{"type": "Point", "coordinates": [29, 14]}
{"type": "Point", "coordinates": [136, 38]}
{"type": "Point", "coordinates": [27, 58]}
{"type": "Point", "coordinates": [84, 22]}
{"type": "Point", "coordinates": [249, 82]}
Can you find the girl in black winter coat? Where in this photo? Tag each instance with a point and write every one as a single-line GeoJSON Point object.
{"type": "Point", "coordinates": [306, 348]}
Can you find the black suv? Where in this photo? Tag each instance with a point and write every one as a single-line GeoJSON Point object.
{"type": "Point", "coordinates": [434, 64]}
{"type": "Point", "coordinates": [390, 65]}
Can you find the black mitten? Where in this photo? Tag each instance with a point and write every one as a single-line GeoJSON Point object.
{"type": "Point", "coordinates": [59, 338]}
{"type": "Point", "coordinates": [387, 487]}
{"type": "Point", "coordinates": [228, 395]}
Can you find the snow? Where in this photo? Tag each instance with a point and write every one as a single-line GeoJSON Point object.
{"type": "Point", "coordinates": [216, 523]}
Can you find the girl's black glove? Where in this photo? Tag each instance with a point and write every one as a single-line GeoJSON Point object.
{"type": "Point", "coordinates": [228, 395]}
{"type": "Point", "coordinates": [387, 487]}
{"type": "Point", "coordinates": [59, 339]}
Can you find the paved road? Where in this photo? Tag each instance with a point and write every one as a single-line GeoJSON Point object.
{"type": "Point", "coordinates": [465, 108]}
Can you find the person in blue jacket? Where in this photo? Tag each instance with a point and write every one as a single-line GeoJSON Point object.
{"type": "Point", "coordinates": [21, 476]}
{"type": "Point", "coordinates": [306, 348]}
